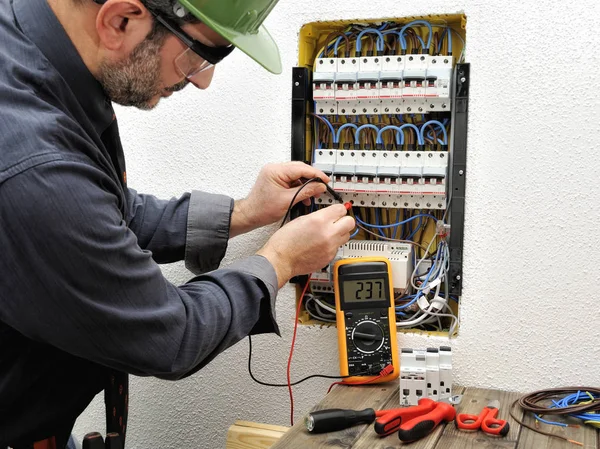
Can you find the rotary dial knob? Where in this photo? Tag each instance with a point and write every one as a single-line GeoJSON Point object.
{"type": "Point", "coordinates": [367, 336]}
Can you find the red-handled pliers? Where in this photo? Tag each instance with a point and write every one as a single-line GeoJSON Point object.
{"type": "Point", "coordinates": [486, 421]}
{"type": "Point", "coordinates": [389, 421]}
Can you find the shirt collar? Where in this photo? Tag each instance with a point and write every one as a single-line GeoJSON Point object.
{"type": "Point", "coordinates": [40, 25]}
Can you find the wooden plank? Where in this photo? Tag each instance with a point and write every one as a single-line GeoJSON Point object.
{"type": "Point", "coordinates": [585, 434]}
{"type": "Point", "coordinates": [473, 401]}
{"type": "Point", "coordinates": [370, 440]}
{"type": "Point", "coordinates": [355, 398]}
{"type": "Point", "coordinates": [248, 435]}
{"type": "Point", "coordinates": [259, 425]}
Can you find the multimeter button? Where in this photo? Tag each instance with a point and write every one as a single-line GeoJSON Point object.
{"type": "Point", "coordinates": [348, 314]}
{"type": "Point", "coordinates": [383, 313]}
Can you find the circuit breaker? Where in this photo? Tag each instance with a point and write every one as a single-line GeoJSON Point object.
{"type": "Point", "coordinates": [380, 106]}
{"type": "Point", "coordinates": [425, 374]}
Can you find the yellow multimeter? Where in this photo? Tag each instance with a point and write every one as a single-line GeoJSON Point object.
{"type": "Point", "coordinates": [366, 318]}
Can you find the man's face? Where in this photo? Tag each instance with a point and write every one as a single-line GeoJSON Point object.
{"type": "Point", "coordinates": [150, 73]}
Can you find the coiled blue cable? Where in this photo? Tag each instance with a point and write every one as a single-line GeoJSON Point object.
{"type": "Point", "coordinates": [380, 41]}
{"type": "Point", "coordinates": [343, 127]}
{"type": "Point", "coordinates": [359, 129]}
{"type": "Point", "coordinates": [420, 139]}
{"type": "Point", "coordinates": [399, 134]}
{"type": "Point", "coordinates": [413, 23]}
{"type": "Point", "coordinates": [439, 124]}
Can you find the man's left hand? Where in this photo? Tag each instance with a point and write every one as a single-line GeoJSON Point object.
{"type": "Point", "coordinates": [272, 193]}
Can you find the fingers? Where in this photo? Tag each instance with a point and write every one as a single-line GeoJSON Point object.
{"type": "Point", "coordinates": [312, 189]}
{"type": "Point", "coordinates": [291, 171]}
{"type": "Point", "coordinates": [333, 213]}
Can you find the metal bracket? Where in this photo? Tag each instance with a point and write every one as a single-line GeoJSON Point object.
{"type": "Point", "coordinates": [301, 92]}
{"type": "Point", "coordinates": [460, 120]}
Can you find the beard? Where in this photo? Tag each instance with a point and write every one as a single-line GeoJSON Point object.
{"type": "Point", "coordinates": [135, 80]}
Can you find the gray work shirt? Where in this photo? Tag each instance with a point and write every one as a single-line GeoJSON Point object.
{"type": "Point", "coordinates": [81, 291]}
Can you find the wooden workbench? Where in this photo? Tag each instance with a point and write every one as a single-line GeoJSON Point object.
{"type": "Point", "coordinates": [385, 396]}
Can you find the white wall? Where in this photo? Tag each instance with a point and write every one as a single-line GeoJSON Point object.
{"type": "Point", "coordinates": [529, 311]}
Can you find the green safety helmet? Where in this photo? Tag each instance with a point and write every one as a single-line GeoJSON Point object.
{"type": "Point", "coordinates": [240, 22]}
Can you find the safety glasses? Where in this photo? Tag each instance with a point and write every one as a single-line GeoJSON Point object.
{"type": "Point", "coordinates": [198, 57]}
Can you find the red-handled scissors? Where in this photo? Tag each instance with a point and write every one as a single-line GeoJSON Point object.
{"type": "Point", "coordinates": [486, 421]}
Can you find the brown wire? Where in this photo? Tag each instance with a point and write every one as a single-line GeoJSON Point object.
{"type": "Point", "coordinates": [529, 403]}
{"type": "Point", "coordinates": [337, 34]}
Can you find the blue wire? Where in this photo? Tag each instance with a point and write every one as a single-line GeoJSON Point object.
{"type": "Point", "coordinates": [337, 43]}
{"type": "Point", "coordinates": [327, 122]}
{"type": "Point", "coordinates": [359, 129]}
{"type": "Point", "coordinates": [410, 237]}
{"type": "Point", "coordinates": [414, 217]}
{"type": "Point", "coordinates": [399, 134]}
{"type": "Point", "coordinates": [420, 138]}
{"type": "Point", "coordinates": [380, 40]}
{"type": "Point", "coordinates": [397, 227]}
{"type": "Point", "coordinates": [341, 128]}
{"type": "Point", "coordinates": [355, 233]}
{"type": "Point", "coordinates": [439, 124]}
{"type": "Point", "coordinates": [408, 25]}
{"type": "Point", "coordinates": [378, 221]}
{"type": "Point", "coordinates": [420, 292]}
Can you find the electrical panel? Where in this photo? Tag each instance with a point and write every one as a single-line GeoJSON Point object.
{"type": "Point", "coordinates": [380, 106]}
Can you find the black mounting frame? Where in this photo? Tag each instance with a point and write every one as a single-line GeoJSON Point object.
{"type": "Point", "coordinates": [460, 120]}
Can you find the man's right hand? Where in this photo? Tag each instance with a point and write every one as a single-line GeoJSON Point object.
{"type": "Point", "coordinates": [308, 243]}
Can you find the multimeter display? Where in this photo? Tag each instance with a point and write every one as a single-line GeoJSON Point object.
{"type": "Point", "coordinates": [365, 290]}
{"type": "Point", "coordinates": [365, 316]}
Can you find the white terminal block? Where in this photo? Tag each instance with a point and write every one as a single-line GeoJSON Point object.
{"type": "Point", "coordinates": [348, 65]}
{"type": "Point", "coordinates": [433, 373]}
{"type": "Point", "coordinates": [323, 86]}
{"type": "Point", "coordinates": [390, 92]}
{"type": "Point", "coordinates": [439, 83]}
{"type": "Point", "coordinates": [325, 160]}
{"type": "Point", "coordinates": [445, 372]}
{"type": "Point", "coordinates": [346, 93]}
{"type": "Point", "coordinates": [425, 374]}
{"type": "Point", "coordinates": [399, 255]}
{"type": "Point", "coordinates": [368, 92]}
{"type": "Point", "coordinates": [415, 74]}
{"type": "Point", "coordinates": [326, 65]}
{"type": "Point", "coordinates": [413, 371]}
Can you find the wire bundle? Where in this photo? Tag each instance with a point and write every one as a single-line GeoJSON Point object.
{"type": "Point", "coordinates": [578, 402]}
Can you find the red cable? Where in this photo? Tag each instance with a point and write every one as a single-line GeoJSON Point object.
{"type": "Point", "coordinates": [384, 372]}
{"type": "Point", "coordinates": [289, 376]}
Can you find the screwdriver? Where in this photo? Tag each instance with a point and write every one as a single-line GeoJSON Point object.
{"type": "Point", "coordinates": [337, 419]}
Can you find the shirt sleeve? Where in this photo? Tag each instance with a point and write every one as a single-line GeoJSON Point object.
{"type": "Point", "coordinates": [77, 279]}
{"type": "Point", "coordinates": [194, 227]}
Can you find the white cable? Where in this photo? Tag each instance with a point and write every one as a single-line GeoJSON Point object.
{"type": "Point", "coordinates": [324, 305]}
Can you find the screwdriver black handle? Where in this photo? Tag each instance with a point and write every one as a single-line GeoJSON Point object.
{"type": "Point", "coordinates": [93, 440]}
{"type": "Point", "coordinates": [334, 419]}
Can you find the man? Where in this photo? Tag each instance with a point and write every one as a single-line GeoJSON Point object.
{"type": "Point", "coordinates": [82, 298]}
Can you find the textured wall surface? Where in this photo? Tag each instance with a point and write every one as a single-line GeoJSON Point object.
{"type": "Point", "coordinates": [529, 275]}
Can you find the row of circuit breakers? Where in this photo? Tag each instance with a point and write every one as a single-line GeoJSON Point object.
{"type": "Point", "coordinates": [407, 84]}
{"type": "Point", "coordinates": [375, 85]}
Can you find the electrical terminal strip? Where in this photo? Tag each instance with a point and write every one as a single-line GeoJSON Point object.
{"type": "Point", "coordinates": [394, 84]}
{"type": "Point", "coordinates": [400, 256]}
{"type": "Point", "coordinates": [425, 374]}
{"type": "Point", "coordinates": [387, 179]}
